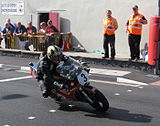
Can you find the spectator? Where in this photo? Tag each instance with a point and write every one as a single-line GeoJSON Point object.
{"type": "Point", "coordinates": [31, 30]}
{"type": "Point", "coordinates": [10, 24]}
{"type": "Point", "coordinates": [7, 32]}
{"type": "Point", "coordinates": [50, 36]}
{"type": "Point", "coordinates": [134, 27]}
{"type": "Point", "coordinates": [110, 25]}
{"type": "Point", "coordinates": [50, 28]}
{"type": "Point", "coordinates": [21, 31]}
{"type": "Point", "coordinates": [42, 31]}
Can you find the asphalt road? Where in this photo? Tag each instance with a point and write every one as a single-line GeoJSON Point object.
{"type": "Point", "coordinates": [21, 103]}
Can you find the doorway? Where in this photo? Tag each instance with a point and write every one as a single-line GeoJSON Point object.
{"type": "Point", "coordinates": [43, 17]}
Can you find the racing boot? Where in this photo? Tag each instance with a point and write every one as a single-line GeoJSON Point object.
{"type": "Point", "coordinates": [45, 93]}
{"type": "Point", "coordinates": [45, 90]}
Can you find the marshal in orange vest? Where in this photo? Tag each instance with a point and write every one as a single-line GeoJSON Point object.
{"type": "Point", "coordinates": [109, 26]}
{"type": "Point", "coordinates": [135, 26]}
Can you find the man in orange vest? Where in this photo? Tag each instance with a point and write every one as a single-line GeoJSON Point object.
{"type": "Point", "coordinates": [134, 28]}
{"type": "Point", "coordinates": [110, 25]}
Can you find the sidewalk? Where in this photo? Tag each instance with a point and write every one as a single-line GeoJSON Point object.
{"type": "Point", "coordinates": [92, 58]}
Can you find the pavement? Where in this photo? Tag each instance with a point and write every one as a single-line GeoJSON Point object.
{"type": "Point", "coordinates": [92, 58]}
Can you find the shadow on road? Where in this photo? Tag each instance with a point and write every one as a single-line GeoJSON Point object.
{"type": "Point", "coordinates": [123, 115]}
{"type": "Point", "coordinates": [112, 113]}
{"type": "Point", "coordinates": [13, 96]}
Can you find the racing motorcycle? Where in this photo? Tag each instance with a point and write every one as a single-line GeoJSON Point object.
{"type": "Point", "coordinates": [74, 75]}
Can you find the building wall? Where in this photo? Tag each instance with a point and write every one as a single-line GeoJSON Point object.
{"type": "Point", "coordinates": [84, 18]}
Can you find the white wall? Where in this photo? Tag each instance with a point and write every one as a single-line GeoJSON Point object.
{"type": "Point", "coordinates": [84, 19]}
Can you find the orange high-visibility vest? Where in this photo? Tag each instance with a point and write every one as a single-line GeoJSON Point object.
{"type": "Point", "coordinates": [135, 26]}
{"type": "Point", "coordinates": [109, 26]}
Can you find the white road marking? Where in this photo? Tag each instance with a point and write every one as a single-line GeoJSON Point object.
{"type": "Point", "coordinates": [124, 80]}
{"type": "Point", "coordinates": [109, 72]}
{"type": "Point", "coordinates": [140, 87]}
{"type": "Point", "coordinates": [1, 65]}
{"type": "Point", "coordinates": [93, 70]}
{"type": "Point", "coordinates": [52, 111]}
{"type": "Point", "coordinates": [71, 106]}
{"type": "Point", "coordinates": [23, 71]}
{"type": "Point", "coordinates": [117, 94]}
{"type": "Point", "coordinates": [129, 90]}
{"type": "Point", "coordinates": [115, 83]}
{"type": "Point", "coordinates": [13, 79]}
{"type": "Point", "coordinates": [31, 118]}
{"type": "Point", "coordinates": [25, 68]}
{"type": "Point", "coordinates": [152, 76]}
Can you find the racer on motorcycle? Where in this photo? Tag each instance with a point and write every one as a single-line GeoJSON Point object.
{"type": "Point", "coordinates": [46, 70]}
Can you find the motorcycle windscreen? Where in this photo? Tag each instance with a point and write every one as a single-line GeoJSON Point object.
{"type": "Point", "coordinates": [68, 71]}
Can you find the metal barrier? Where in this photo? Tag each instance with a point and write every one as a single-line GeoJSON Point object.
{"type": "Point", "coordinates": [38, 42]}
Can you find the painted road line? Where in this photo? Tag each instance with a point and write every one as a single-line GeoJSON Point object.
{"type": "Point", "coordinates": [124, 80]}
{"type": "Point", "coordinates": [13, 79]}
{"type": "Point", "coordinates": [23, 71]}
{"type": "Point", "coordinates": [109, 72]}
{"type": "Point", "coordinates": [25, 68]}
{"type": "Point", "coordinates": [10, 66]}
{"type": "Point", "coordinates": [152, 76]}
{"type": "Point", "coordinates": [92, 71]}
{"type": "Point", "coordinates": [156, 83]}
{"type": "Point", "coordinates": [114, 83]}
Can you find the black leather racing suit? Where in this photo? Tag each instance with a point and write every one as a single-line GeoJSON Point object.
{"type": "Point", "coordinates": [45, 71]}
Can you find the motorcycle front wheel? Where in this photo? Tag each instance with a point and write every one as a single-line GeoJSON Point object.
{"type": "Point", "coordinates": [100, 103]}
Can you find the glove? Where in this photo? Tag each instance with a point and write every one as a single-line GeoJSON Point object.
{"type": "Point", "coordinates": [39, 75]}
{"type": "Point", "coordinates": [39, 78]}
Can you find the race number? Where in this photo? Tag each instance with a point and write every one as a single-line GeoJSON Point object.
{"type": "Point", "coordinates": [83, 77]}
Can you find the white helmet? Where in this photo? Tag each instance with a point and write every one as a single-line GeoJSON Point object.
{"type": "Point", "coordinates": [54, 54]}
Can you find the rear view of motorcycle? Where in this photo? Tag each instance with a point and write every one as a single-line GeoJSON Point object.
{"type": "Point", "coordinates": [75, 77]}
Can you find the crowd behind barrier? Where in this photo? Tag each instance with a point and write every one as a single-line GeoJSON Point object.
{"type": "Point", "coordinates": [38, 42]}
{"type": "Point", "coordinates": [31, 38]}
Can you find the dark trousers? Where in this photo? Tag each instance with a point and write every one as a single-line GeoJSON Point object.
{"type": "Point", "coordinates": [134, 44]}
{"type": "Point", "coordinates": [7, 42]}
{"type": "Point", "coordinates": [109, 39]}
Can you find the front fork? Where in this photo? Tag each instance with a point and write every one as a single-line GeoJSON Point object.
{"type": "Point", "coordinates": [88, 98]}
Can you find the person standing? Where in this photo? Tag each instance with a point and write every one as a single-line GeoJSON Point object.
{"type": "Point", "coordinates": [31, 30]}
{"type": "Point", "coordinates": [20, 29]}
{"type": "Point", "coordinates": [110, 26]}
{"type": "Point", "coordinates": [134, 28]}
{"type": "Point", "coordinates": [50, 29]}
{"type": "Point", "coordinates": [7, 32]}
{"type": "Point", "coordinates": [51, 32]}
{"type": "Point", "coordinates": [10, 24]}
{"type": "Point", "coordinates": [42, 32]}
{"type": "Point", "coordinates": [21, 32]}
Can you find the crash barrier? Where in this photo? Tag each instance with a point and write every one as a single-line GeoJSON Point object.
{"type": "Point", "coordinates": [38, 42]}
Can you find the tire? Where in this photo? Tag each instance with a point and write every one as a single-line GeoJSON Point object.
{"type": "Point", "coordinates": [100, 103]}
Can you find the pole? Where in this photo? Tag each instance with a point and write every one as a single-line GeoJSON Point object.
{"type": "Point", "coordinates": [157, 65]}
{"type": "Point", "coordinates": [158, 47]}
{"type": "Point", "coordinates": [159, 8]}
{"type": "Point", "coordinates": [31, 18]}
